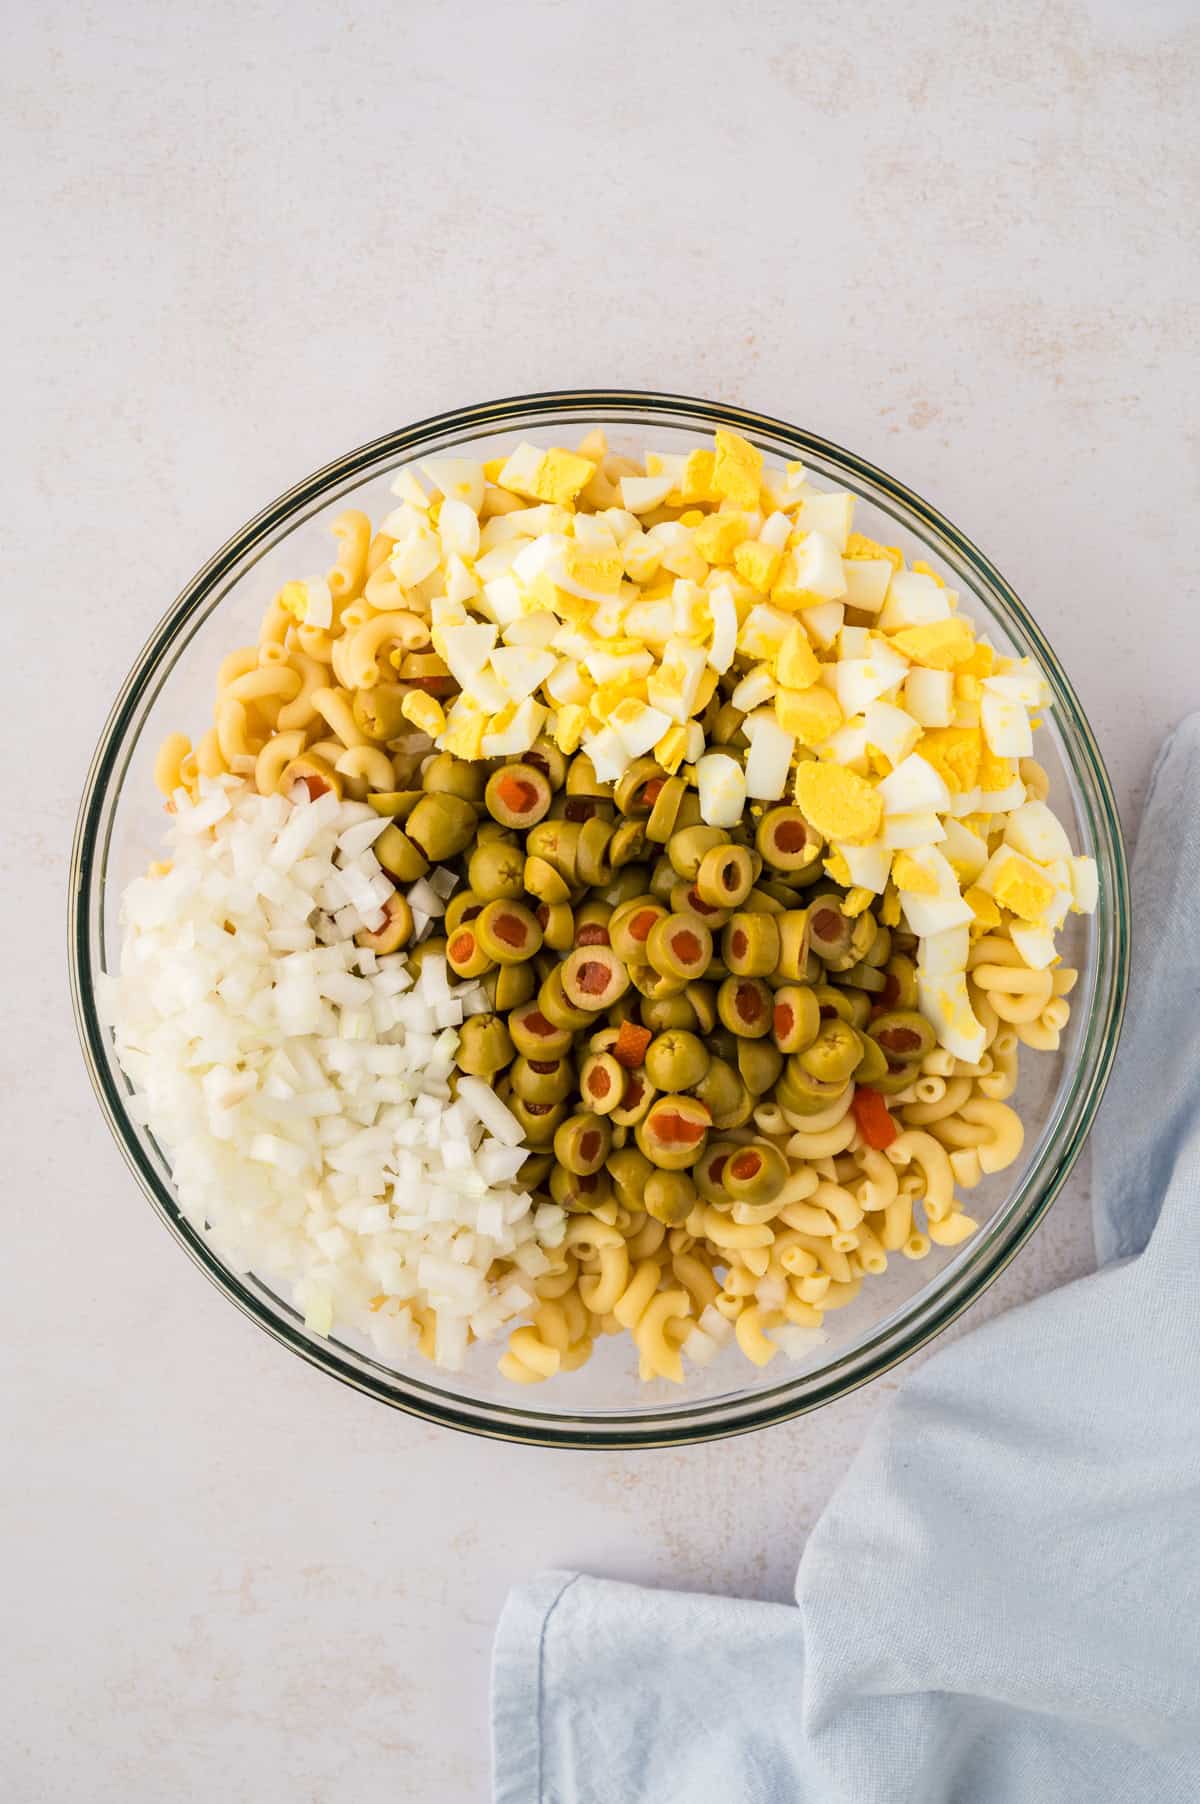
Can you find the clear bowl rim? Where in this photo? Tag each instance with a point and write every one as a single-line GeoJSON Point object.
{"type": "Point", "coordinates": [926, 1315]}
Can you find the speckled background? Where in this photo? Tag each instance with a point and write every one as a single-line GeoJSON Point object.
{"type": "Point", "coordinates": [243, 238]}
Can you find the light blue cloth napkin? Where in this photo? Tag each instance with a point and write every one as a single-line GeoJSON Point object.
{"type": "Point", "coordinates": [1001, 1605]}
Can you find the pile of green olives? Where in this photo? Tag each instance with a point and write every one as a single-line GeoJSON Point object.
{"type": "Point", "coordinates": [650, 979]}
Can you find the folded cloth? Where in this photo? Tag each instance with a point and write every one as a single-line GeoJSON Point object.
{"type": "Point", "coordinates": [1001, 1605]}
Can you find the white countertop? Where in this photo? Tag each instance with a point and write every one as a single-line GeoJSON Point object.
{"type": "Point", "coordinates": [249, 237]}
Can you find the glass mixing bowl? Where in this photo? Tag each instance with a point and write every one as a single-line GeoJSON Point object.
{"type": "Point", "coordinates": [604, 1404]}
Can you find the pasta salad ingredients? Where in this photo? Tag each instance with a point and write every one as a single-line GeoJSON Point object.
{"type": "Point", "coordinates": [720, 829]}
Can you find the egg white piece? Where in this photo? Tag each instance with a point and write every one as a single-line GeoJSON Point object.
{"type": "Point", "coordinates": [721, 786]}
{"type": "Point", "coordinates": [1035, 944]}
{"type": "Point", "coordinates": [914, 786]}
{"type": "Point", "coordinates": [867, 581]}
{"type": "Point", "coordinates": [457, 478]}
{"type": "Point", "coordinates": [823, 622]}
{"type": "Point", "coordinates": [769, 759]}
{"type": "Point", "coordinates": [1085, 884]}
{"type": "Point", "coordinates": [1005, 723]}
{"type": "Point", "coordinates": [869, 866]}
{"type": "Point", "coordinates": [913, 600]}
{"type": "Point", "coordinates": [641, 494]}
{"type": "Point", "coordinates": [1035, 830]}
{"type": "Point", "coordinates": [901, 832]}
{"type": "Point", "coordinates": [929, 696]}
{"type": "Point", "coordinates": [723, 610]}
{"type": "Point", "coordinates": [891, 731]}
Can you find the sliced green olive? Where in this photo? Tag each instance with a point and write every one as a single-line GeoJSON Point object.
{"type": "Point", "coordinates": [832, 1001]}
{"type": "Point", "coordinates": [398, 855]}
{"type": "Point", "coordinates": [725, 1095]}
{"type": "Point", "coordinates": [829, 930]}
{"type": "Point", "coordinates": [688, 845]}
{"type": "Point", "coordinates": [679, 946]}
{"type": "Point", "coordinates": [395, 930]}
{"type": "Point", "coordinates": [593, 977]}
{"type": "Point", "coordinates": [496, 870]}
{"type": "Point", "coordinates": [638, 785]}
{"type": "Point", "coordinates": [488, 831]}
{"type": "Point", "coordinates": [669, 1196]}
{"type": "Point", "coordinates": [630, 881]}
{"type": "Point", "coordinates": [539, 1121]}
{"type": "Point", "coordinates": [543, 881]}
{"type": "Point", "coordinates": [662, 880]}
{"type": "Point", "coordinates": [750, 945]}
{"type": "Point", "coordinates": [627, 845]}
{"type": "Point", "coordinates": [447, 775]}
{"type": "Point", "coordinates": [484, 1046]}
{"type": "Point", "coordinates": [727, 727]}
{"type": "Point", "coordinates": [744, 1005]}
{"type": "Point", "coordinates": [591, 859]}
{"type": "Point", "coordinates": [582, 1143]}
{"type": "Point", "coordinates": [629, 927]}
{"type": "Point", "coordinates": [786, 840]}
{"type": "Point", "coordinates": [880, 949]}
{"type": "Point", "coordinates": [557, 923]}
{"type": "Point", "coordinates": [602, 1083]}
{"type": "Point", "coordinates": [442, 825]}
{"type": "Point", "coordinates": [673, 1131]}
{"type": "Point", "coordinates": [708, 1171]}
{"type": "Point", "coordinates": [793, 944]}
{"type": "Point", "coordinates": [834, 1054]}
{"type": "Point", "coordinates": [654, 985]}
{"type": "Point", "coordinates": [463, 905]}
{"type": "Point", "coordinates": [542, 1080]}
{"type": "Point", "coordinates": [545, 756]}
{"type": "Point", "coordinates": [582, 809]}
{"type": "Point", "coordinates": [508, 932]}
{"type": "Point", "coordinates": [378, 712]}
{"type": "Point", "coordinates": [636, 1098]}
{"type": "Point", "coordinates": [535, 1035]}
{"type": "Point", "coordinates": [755, 1173]}
{"type": "Point", "coordinates": [582, 779]}
{"type": "Point", "coordinates": [686, 900]}
{"type": "Point", "coordinates": [725, 876]}
{"type": "Point", "coordinates": [629, 1169]}
{"type": "Point", "coordinates": [873, 1065]}
{"type": "Point", "coordinates": [664, 1013]}
{"type": "Point", "coordinates": [553, 1003]}
{"type": "Point", "coordinates": [801, 1092]}
{"type": "Point", "coordinates": [863, 976]}
{"type": "Point", "coordinates": [580, 1193]}
{"type": "Point", "coordinates": [904, 1035]}
{"type": "Point", "coordinates": [759, 1064]}
{"type": "Point", "coordinates": [689, 812]}
{"type": "Point", "coordinates": [518, 795]}
{"type": "Point", "coordinates": [862, 935]}
{"type": "Point", "coordinates": [511, 986]}
{"type": "Point", "coordinates": [536, 1171]}
{"type": "Point", "coordinates": [558, 843]}
{"type": "Point", "coordinates": [795, 1017]}
{"type": "Point", "coordinates": [900, 986]}
{"type": "Point", "coordinates": [703, 999]}
{"type": "Point", "coordinates": [398, 804]}
{"type": "Point", "coordinates": [770, 896]}
{"type": "Point", "coordinates": [665, 810]}
{"type": "Point", "coordinates": [676, 1060]}
{"type": "Point", "coordinates": [465, 954]}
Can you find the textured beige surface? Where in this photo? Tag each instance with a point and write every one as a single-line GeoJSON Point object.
{"type": "Point", "coordinates": [247, 237]}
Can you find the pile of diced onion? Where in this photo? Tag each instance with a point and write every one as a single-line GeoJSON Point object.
{"type": "Point", "coordinates": [299, 1085]}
